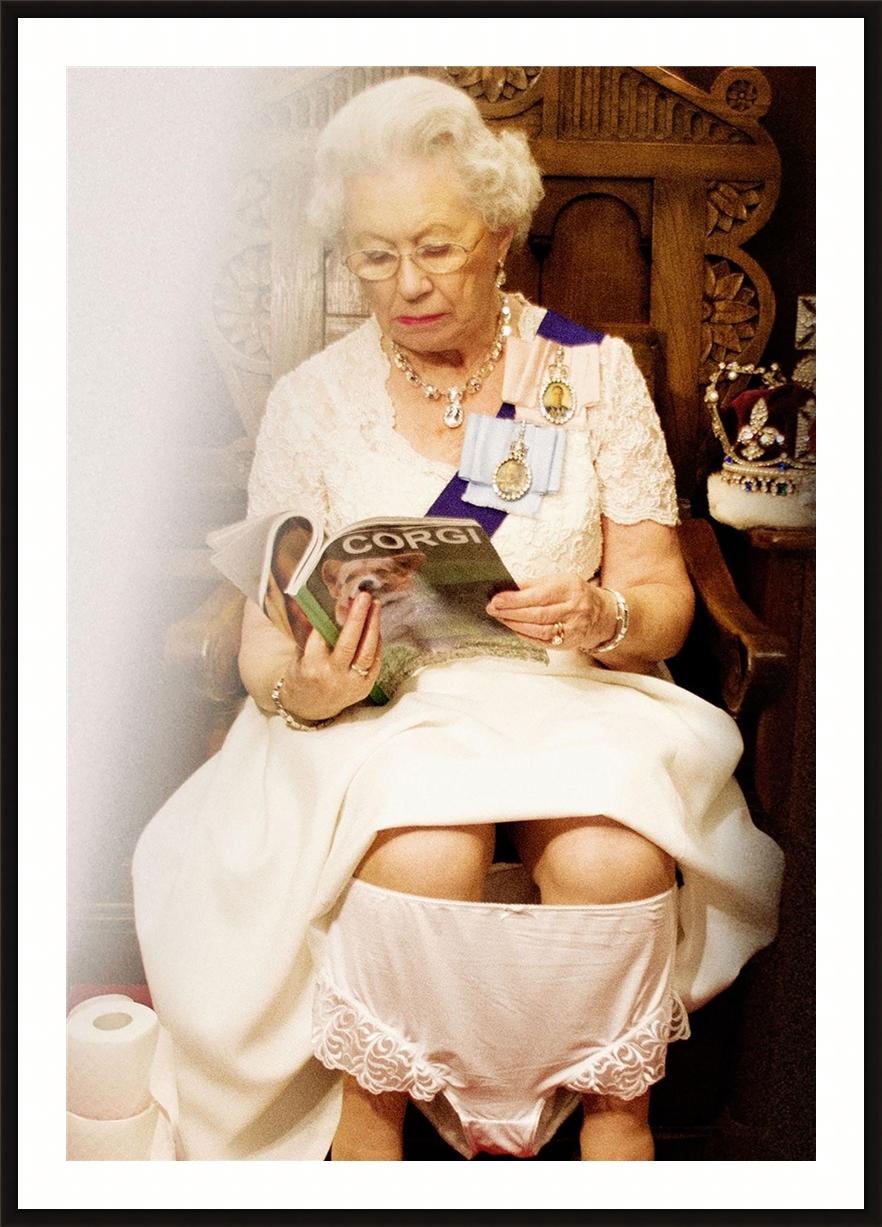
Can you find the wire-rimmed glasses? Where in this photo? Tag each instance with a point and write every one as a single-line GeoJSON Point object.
{"type": "Point", "coordinates": [381, 263]}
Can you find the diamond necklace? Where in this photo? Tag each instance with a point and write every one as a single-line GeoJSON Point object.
{"type": "Point", "coordinates": [453, 414]}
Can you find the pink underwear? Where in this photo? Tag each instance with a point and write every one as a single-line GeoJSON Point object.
{"type": "Point", "coordinates": [494, 1017]}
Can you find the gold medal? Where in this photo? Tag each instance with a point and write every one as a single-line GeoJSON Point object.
{"type": "Point", "coordinates": [512, 477]}
{"type": "Point", "coordinates": [557, 400]}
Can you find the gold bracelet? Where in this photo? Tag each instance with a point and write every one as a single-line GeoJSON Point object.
{"type": "Point", "coordinates": [293, 722]}
{"type": "Point", "coordinates": [623, 615]}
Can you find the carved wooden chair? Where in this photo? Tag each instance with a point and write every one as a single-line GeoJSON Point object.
{"type": "Point", "coordinates": [652, 187]}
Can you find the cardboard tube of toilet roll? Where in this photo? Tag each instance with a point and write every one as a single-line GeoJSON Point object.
{"type": "Point", "coordinates": [110, 1046]}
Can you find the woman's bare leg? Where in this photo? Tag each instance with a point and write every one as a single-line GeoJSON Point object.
{"type": "Point", "coordinates": [370, 1125]}
{"type": "Point", "coordinates": [439, 862]}
{"type": "Point", "coordinates": [597, 860]}
{"type": "Point", "coordinates": [616, 1128]}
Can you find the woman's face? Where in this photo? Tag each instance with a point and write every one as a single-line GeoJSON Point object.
{"type": "Point", "coordinates": [411, 204]}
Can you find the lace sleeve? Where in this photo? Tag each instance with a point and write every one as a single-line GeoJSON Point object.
{"type": "Point", "coordinates": [635, 475]}
{"type": "Point", "coordinates": [286, 472]}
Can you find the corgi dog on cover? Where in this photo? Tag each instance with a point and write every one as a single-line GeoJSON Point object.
{"type": "Point", "coordinates": [410, 609]}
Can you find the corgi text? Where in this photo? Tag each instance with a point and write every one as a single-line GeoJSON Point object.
{"type": "Point", "coordinates": [361, 543]}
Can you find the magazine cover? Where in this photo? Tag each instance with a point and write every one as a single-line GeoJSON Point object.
{"type": "Point", "coordinates": [432, 576]}
{"type": "Point", "coordinates": [433, 579]}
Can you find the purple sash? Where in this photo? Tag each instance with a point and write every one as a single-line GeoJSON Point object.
{"type": "Point", "coordinates": [449, 502]}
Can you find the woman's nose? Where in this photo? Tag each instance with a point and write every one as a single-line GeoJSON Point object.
{"type": "Point", "coordinates": [412, 281]}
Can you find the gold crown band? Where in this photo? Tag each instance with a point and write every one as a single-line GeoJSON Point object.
{"type": "Point", "coordinates": [782, 483]}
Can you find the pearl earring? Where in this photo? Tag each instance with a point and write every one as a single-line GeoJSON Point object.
{"type": "Point", "coordinates": [500, 274]}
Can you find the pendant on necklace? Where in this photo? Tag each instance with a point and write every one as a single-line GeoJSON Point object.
{"type": "Point", "coordinates": [513, 477]}
{"type": "Point", "coordinates": [453, 414]}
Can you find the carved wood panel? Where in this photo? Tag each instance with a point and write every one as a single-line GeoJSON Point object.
{"type": "Point", "coordinates": [626, 104]}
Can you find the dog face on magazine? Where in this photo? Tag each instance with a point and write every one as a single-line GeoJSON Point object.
{"type": "Point", "coordinates": [412, 613]}
{"type": "Point", "coordinates": [390, 579]}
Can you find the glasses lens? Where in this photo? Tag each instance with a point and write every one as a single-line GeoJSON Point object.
{"type": "Point", "coordinates": [441, 257]}
{"type": "Point", "coordinates": [373, 265]}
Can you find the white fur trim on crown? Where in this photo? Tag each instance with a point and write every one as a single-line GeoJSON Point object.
{"type": "Point", "coordinates": [731, 504]}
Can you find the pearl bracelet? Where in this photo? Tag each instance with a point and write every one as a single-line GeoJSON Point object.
{"type": "Point", "coordinates": [623, 615]}
{"type": "Point", "coordinates": [292, 722]}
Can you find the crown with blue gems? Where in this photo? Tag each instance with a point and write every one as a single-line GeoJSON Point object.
{"type": "Point", "coordinates": [767, 433]}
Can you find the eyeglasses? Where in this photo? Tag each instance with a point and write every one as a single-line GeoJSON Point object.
{"type": "Point", "coordinates": [381, 263]}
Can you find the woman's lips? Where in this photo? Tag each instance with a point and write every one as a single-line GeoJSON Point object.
{"type": "Point", "coordinates": [412, 320]}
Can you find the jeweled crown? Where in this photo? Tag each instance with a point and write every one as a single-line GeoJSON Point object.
{"type": "Point", "coordinates": [767, 433]}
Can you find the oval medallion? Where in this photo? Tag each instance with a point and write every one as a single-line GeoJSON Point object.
{"type": "Point", "coordinates": [512, 478]}
{"type": "Point", "coordinates": [557, 403]}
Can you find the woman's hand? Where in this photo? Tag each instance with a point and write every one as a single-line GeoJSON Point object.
{"type": "Point", "coordinates": [580, 611]}
{"type": "Point", "coordinates": [644, 563]}
{"type": "Point", "coordinates": [322, 681]}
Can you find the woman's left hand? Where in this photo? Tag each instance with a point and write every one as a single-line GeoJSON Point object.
{"type": "Point", "coordinates": [577, 610]}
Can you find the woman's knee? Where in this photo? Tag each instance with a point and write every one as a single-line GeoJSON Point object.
{"type": "Point", "coordinates": [592, 860]}
{"type": "Point", "coordinates": [440, 862]}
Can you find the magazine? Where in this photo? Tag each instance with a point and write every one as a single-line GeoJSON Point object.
{"type": "Point", "coordinates": [433, 577]}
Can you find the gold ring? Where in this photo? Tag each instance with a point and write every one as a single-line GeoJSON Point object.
{"type": "Point", "coordinates": [558, 637]}
{"type": "Point", "coordinates": [358, 669]}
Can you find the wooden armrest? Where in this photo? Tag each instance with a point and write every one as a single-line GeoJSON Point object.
{"type": "Point", "coordinates": [753, 659]}
{"type": "Point", "coordinates": [206, 644]}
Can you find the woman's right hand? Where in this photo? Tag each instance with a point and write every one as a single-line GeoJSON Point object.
{"type": "Point", "coordinates": [322, 681]}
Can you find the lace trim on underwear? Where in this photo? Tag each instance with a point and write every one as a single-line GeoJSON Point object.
{"type": "Point", "coordinates": [346, 1037]}
{"type": "Point", "coordinates": [631, 1064]}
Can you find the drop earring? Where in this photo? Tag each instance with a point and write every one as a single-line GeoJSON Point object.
{"type": "Point", "coordinates": [500, 274]}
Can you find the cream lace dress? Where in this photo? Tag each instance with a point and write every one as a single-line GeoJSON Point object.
{"type": "Point", "coordinates": [263, 839]}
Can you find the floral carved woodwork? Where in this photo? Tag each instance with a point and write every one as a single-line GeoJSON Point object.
{"type": "Point", "coordinates": [738, 304]}
{"type": "Point", "coordinates": [741, 95]}
{"type": "Point", "coordinates": [744, 90]}
{"type": "Point", "coordinates": [729, 314]}
{"type": "Point", "coordinates": [730, 203]}
{"type": "Point", "coordinates": [494, 83]}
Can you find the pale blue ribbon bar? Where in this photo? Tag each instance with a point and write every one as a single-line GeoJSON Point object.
{"type": "Point", "coordinates": [486, 444]}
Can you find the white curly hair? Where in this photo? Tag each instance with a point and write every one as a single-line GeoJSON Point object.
{"type": "Point", "coordinates": [418, 117]}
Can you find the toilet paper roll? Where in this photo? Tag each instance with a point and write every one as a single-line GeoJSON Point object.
{"type": "Point", "coordinates": [112, 1139]}
{"type": "Point", "coordinates": [110, 1046]}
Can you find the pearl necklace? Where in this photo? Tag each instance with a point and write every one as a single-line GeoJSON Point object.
{"type": "Point", "coordinates": [453, 414]}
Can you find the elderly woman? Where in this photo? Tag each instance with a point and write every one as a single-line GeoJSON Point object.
{"type": "Point", "coordinates": [316, 906]}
